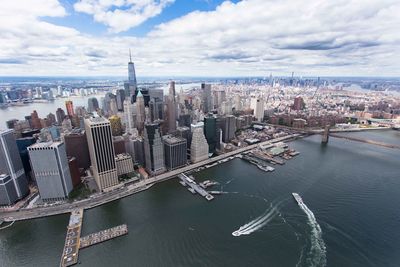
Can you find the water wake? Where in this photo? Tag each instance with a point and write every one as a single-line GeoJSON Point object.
{"type": "Point", "coordinates": [258, 222]}
{"type": "Point", "coordinates": [317, 254]}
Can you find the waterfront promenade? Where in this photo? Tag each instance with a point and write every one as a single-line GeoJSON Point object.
{"type": "Point", "coordinates": [106, 197]}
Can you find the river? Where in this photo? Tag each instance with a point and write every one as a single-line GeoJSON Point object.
{"type": "Point", "coordinates": [350, 216]}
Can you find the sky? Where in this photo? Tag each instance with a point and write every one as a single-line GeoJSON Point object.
{"type": "Point", "coordinates": [200, 37]}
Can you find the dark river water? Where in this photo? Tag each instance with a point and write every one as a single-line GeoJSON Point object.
{"type": "Point", "coordinates": [351, 216]}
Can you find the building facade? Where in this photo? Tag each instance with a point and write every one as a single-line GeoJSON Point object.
{"type": "Point", "coordinates": [153, 149]}
{"type": "Point", "coordinates": [101, 151]}
{"type": "Point", "coordinates": [11, 164]}
{"type": "Point", "coordinates": [199, 146]}
{"type": "Point", "coordinates": [50, 167]}
{"type": "Point", "coordinates": [175, 149]}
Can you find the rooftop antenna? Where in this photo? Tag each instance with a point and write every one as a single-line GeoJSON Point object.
{"type": "Point", "coordinates": [130, 55]}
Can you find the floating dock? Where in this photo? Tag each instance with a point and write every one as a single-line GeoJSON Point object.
{"type": "Point", "coordinates": [72, 240]}
{"type": "Point", "coordinates": [104, 235]}
{"type": "Point", "coordinates": [194, 187]}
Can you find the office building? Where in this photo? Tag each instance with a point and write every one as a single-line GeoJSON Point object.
{"type": "Point", "coordinates": [11, 164]}
{"type": "Point", "coordinates": [210, 132]}
{"type": "Point", "coordinates": [35, 120]}
{"type": "Point", "coordinates": [175, 149]}
{"type": "Point", "coordinates": [156, 108]}
{"type": "Point", "coordinates": [171, 108]}
{"type": "Point", "coordinates": [153, 149]}
{"type": "Point", "coordinates": [130, 86]}
{"type": "Point", "coordinates": [74, 171]}
{"type": "Point", "coordinates": [101, 150]}
{"type": "Point", "coordinates": [50, 167]}
{"type": "Point", "coordinates": [199, 146]}
{"type": "Point", "coordinates": [8, 194]}
{"type": "Point", "coordinates": [23, 144]}
{"type": "Point", "coordinates": [206, 101]}
{"type": "Point", "coordinates": [60, 115]}
{"type": "Point", "coordinates": [76, 146]}
{"type": "Point", "coordinates": [70, 108]}
{"type": "Point", "coordinates": [185, 120]}
{"type": "Point", "coordinates": [298, 103]}
{"type": "Point", "coordinates": [93, 104]}
{"type": "Point", "coordinates": [140, 112]}
{"type": "Point", "coordinates": [228, 128]}
{"type": "Point", "coordinates": [129, 116]}
{"type": "Point", "coordinates": [259, 110]}
{"type": "Point", "coordinates": [120, 98]}
{"type": "Point", "coordinates": [124, 164]}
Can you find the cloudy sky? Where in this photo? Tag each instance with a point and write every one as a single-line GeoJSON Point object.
{"type": "Point", "coordinates": [200, 37]}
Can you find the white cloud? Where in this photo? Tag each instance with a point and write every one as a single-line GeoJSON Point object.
{"type": "Point", "coordinates": [121, 15]}
{"type": "Point", "coordinates": [251, 37]}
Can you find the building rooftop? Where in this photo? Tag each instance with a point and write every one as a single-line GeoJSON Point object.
{"type": "Point", "coordinates": [42, 145]}
{"type": "Point", "coordinates": [172, 139]}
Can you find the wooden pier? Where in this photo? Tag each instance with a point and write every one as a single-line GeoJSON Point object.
{"type": "Point", "coordinates": [104, 235]}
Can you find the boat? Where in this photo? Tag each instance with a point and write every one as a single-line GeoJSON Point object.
{"type": "Point", "coordinates": [192, 190]}
{"type": "Point", "coordinates": [265, 168]}
{"type": "Point", "coordinates": [298, 198]}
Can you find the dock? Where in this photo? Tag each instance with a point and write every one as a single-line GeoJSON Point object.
{"type": "Point", "coordinates": [104, 235]}
{"type": "Point", "coordinates": [194, 187]}
{"type": "Point", "coordinates": [72, 240]}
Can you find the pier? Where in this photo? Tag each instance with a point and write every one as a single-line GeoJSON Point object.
{"type": "Point", "coordinates": [72, 240]}
{"type": "Point", "coordinates": [189, 181]}
{"type": "Point", "coordinates": [104, 235]}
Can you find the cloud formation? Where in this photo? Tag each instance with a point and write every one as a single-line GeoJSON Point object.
{"type": "Point", "coordinates": [248, 38]}
{"type": "Point", "coordinates": [121, 15]}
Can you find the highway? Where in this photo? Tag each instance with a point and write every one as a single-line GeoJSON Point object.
{"type": "Point", "coordinates": [106, 197]}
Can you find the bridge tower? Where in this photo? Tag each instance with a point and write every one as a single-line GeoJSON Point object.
{"type": "Point", "coordinates": [325, 135]}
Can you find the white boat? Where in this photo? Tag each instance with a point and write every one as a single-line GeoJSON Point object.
{"type": "Point", "coordinates": [298, 198]}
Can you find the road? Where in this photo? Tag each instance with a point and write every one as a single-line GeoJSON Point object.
{"type": "Point", "coordinates": [106, 197]}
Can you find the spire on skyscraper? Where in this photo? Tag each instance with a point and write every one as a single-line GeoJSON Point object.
{"type": "Point", "coordinates": [130, 56]}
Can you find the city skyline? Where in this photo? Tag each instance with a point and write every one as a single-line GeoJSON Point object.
{"type": "Point", "coordinates": [203, 38]}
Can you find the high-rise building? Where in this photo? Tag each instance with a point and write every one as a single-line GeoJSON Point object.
{"type": "Point", "coordinates": [124, 164]}
{"type": "Point", "coordinates": [23, 144]}
{"type": "Point", "coordinates": [51, 118]}
{"type": "Point", "coordinates": [129, 116]}
{"type": "Point", "coordinates": [210, 132]}
{"type": "Point", "coordinates": [120, 99]}
{"type": "Point", "coordinates": [60, 114]}
{"type": "Point", "coordinates": [101, 150]}
{"type": "Point", "coordinates": [11, 164]}
{"type": "Point", "coordinates": [175, 149]}
{"type": "Point", "coordinates": [185, 120]}
{"type": "Point", "coordinates": [93, 104]}
{"type": "Point", "coordinates": [156, 108]}
{"type": "Point", "coordinates": [116, 126]}
{"type": "Point", "coordinates": [199, 146]}
{"type": "Point", "coordinates": [76, 146]}
{"type": "Point", "coordinates": [259, 110]}
{"type": "Point", "coordinates": [171, 108]}
{"type": "Point", "coordinates": [131, 75]}
{"type": "Point", "coordinates": [70, 108]}
{"type": "Point", "coordinates": [153, 149]}
{"type": "Point", "coordinates": [8, 194]}
{"type": "Point", "coordinates": [140, 111]}
{"type": "Point", "coordinates": [36, 124]}
{"type": "Point", "coordinates": [207, 101]}
{"type": "Point", "coordinates": [228, 128]}
{"type": "Point", "coordinates": [50, 167]}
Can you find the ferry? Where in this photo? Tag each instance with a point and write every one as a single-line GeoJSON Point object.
{"type": "Point", "coordinates": [298, 198]}
{"type": "Point", "coordinates": [265, 168]}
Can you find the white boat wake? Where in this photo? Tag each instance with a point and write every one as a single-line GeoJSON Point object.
{"type": "Point", "coordinates": [317, 254]}
{"type": "Point", "coordinates": [258, 222]}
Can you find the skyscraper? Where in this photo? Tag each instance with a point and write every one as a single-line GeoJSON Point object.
{"type": "Point", "coordinates": [129, 116]}
{"type": "Point", "coordinates": [8, 195]}
{"type": "Point", "coordinates": [199, 146]}
{"type": "Point", "coordinates": [11, 164]}
{"type": "Point", "coordinates": [210, 132]}
{"type": "Point", "coordinates": [140, 111]}
{"type": "Point", "coordinates": [50, 166]}
{"type": "Point", "coordinates": [298, 103]}
{"type": "Point", "coordinates": [156, 108]}
{"type": "Point", "coordinates": [174, 151]}
{"type": "Point", "coordinates": [207, 101]}
{"type": "Point", "coordinates": [120, 99]}
{"type": "Point", "coordinates": [60, 114]}
{"type": "Point", "coordinates": [35, 120]}
{"type": "Point", "coordinates": [131, 74]}
{"type": "Point", "coordinates": [171, 108]}
{"type": "Point", "coordinates": [70, 108]}
{"type": "Point", "coordinates": [101, 150]}
{"type": "Point", "coordinates": [153, 149]}
{"type": "Point", "coordinates": [259, 110]}
{"type": "Point", "coordinates": [76, 146]}
{"type": "Point", "coordinates": [93, 104]}
{"type": "Point", "coordinates": [228, 128]}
